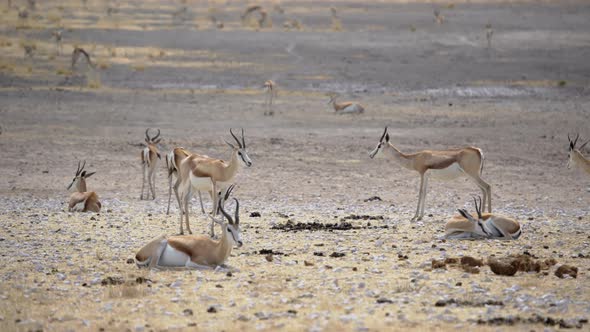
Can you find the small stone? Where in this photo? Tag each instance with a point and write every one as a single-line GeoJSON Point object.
{"type": "Point", "coordinates": [306, 263]}
{"type": "Point", "coordinates": [337, 254]}
{"type": "Point", "coordinates": [211, 310]}
{"type": "Point", "coordinates": [384, 300]}
{"type": "Point", "coordinates": [470, 261]}
{"type": "Point", "coordinates": [566, 270]}
{"type": "Point", "coordinates": [269, 258]}
{"type": "Point", "coordinates": [438, 264]}
{"type": "Point", "coordinates": [130, 261]}
{"type": "Point", "coordinates": [187, 312]}
{"type": "Point", "coordinates": [255, 215]}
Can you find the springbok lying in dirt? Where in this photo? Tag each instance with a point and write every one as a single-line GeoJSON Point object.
{"type": "Point", "coordinates": [193, 251]}
{"type": "Point", "coordinates": [443, 164]}
{"type": "Point", "coordinates": [345, 107]}
{"type": "Point", "coordinates": [486, 225]}
{"type": "Point", "coordinates": [576, 157]}
{"type": "Point", "coordinates": [202, 173]}
{"type": "Point", "coordinates": [82, 200]}
{"type": "Point", "coordinates": [149, 159]}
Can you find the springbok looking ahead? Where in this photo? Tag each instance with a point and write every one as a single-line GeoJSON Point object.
{"type": "Point", "coordinates": [443, 164]}
{"type": "Point", "coordinates": [82, 200]}
{"type": "Point", "coordinates": [486, 225]}
{"type": "Point", "coordinates": [193, 251]}
{"type": "Point", "coordinates": [149, 160]}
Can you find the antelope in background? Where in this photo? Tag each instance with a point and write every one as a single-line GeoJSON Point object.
{"type": "Point", "coordinates": [193, 251]}
{"type": "Point", "coordinates": [270, 88]}
{"type": "Point", "coordinates": [149, 159]}
{"type": "Point", "coordinates": [82, 200]}
{"type": "Point", "coordinates": [576, 158]}
{"type": "Point", "coordinates": [443, 164]}
{"type": "Point", "coordinates": [76, 55]}
{"type": "Point", "coordinates": [486, 225]}
{"type": "Point", "coordinates": [345, 107]}
{"type": "Point", "coordinates": [202, 173]}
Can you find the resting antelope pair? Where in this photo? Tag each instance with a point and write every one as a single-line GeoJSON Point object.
{"type": "Point", "coordinates": [149, 159]}
{"type": "Point", "coordinates": [576, 158]}
{"type": "Point", "coordinates": [443, 164]}
{"type": "Point", "coordinates": [486, 225]}
{"type": "Point", "coordinates": [198, 173]}
{"type": "Point", "coordinates": [82, 200]}
{"type": "Point", "coordinates": [193, 251]}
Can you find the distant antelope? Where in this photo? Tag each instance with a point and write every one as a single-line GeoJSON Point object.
{"type": "Point", "coordinates": [149, 159]}
{"type": "Point", "coordinates": [57, 35]}
{"type": "Point", "coordinates": [345, 107]}
{"type": "Point", "coordinates": [201, 173]}
{"type": "Point", "coordinates": [486, 225]}
{"type": "Point", "coordinates": [444, 164]}
{"type": "Point", "coordinates": [438, 18]}
{"type": "Point", "coordinates": [576, 157]}
{"type": "Point", "coordinates": [82, 200]}
{"type": "Point", "coordinates": [271, 92]}
{"type": "Point", "coordinates": [193, 251]}
{"type": "Point", "coordinates": [489, 34]}
{"type": "Point", "coordinates": [252, 9]}
{"type": "Point", "coordinates": [76, 54]}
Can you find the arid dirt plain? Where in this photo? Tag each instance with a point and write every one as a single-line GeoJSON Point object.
{"type": "Point", "coordinates": [194, 69]}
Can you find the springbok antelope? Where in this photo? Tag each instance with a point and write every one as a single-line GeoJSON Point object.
{"type": "Point", "coordinates": [486, 225]}
{"type": "Point", "coordinates": [576, 157]}
{"type": "Point", "coordinates": [76, 55]}
{"type": "Point", "coordinates": [444, 164]}
{"type": "Point", "coordinates": [193, 251]}
{"type": "Point", "coordinates": [82, 200]}
{"type": "Point", "coordinates": [270, 88]}
{"type": "Point", "coordinates": [57, 35]}
{"type": "Point", "coordinates": [345, 107]}
{"type": "Point", "coordinates": [149, 159]}
{"type": "Point", "coordinates": [201, 173]}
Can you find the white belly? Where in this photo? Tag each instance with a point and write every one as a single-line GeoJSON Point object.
{"type": "Point", "coordinates": [351, 109]}
{"type": "Point", "coordinates": [173, 257]}
{"type": "Point", "coordinates": [201, 184]}
{"type": "Point", "coordinates": [450, 173]}
{"type": "Point", "coordinates": [79, 207]}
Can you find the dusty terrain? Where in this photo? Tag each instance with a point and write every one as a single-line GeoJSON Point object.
{"type": "Point", "coordinates": [435, 86]}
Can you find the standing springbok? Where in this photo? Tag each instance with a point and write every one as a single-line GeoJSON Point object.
{"type": "Point", "coordinates": [82, 200]}
{"type": "Point", "coordinates": [193, 251]}
{"type": "Point", "coordinates": [345, 107]}
{"type": "Point", "coordinates": [486, 225]}
{"type": "Point", "coordinates": [576, 157]}
{"type": "Point", "coordinates": [270, 88]}
{"type": "Point", "coordinates": [201, 173]}
{"type": "Point", "coordinates": [149, 159]}
{"type": "Point", "coordinates": [444, 164]}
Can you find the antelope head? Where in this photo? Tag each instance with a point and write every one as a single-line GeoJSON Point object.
{"type": "Point", "coordinates": [240, 149]}
{"type": "Point", "coordinates": [477, 224]}
{"type": "Point", "coordinates": [332, 98]}
{"type": "Point", "coordinates": [572, 148]}
{"type": "Point", "coordinates": [233, 224]}
{"type": "Point", "coordinates": [79, 181]}
{"type": "Point", "coordinates": [154, 139]}
{"type": "Point", "coordinates": [383, 140]}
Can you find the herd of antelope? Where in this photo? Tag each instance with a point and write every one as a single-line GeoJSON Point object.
{"type": "Point", "coordinates": [190, 173]}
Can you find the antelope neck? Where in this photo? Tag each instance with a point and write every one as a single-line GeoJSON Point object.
{"type": "Point", "coordinates": [397, 155]}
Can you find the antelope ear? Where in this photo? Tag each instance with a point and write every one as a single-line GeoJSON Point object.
{"type": "Point", "coordinates": [157, 141]}
{"type": "Point", "coordinates": [387, 138]}
{"type": "Point", "coordinates": [83, 174]}
{"type": "Point", "coordinates": [88, 175]}
{"type": "Point", "coordinates": [230, 145]}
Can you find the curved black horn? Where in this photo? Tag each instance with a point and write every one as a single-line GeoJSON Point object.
{"type": "Point", "coordinates": [243, 140]}
{"type": "Point", "coordinates": [583, 145]}
{"type": "Point", "coordinates": [157, 135]}
{"type": "Point", "coordinates": [228, 191]}
{"type": "Point", "coordinates": [78, 168]}
{"type": "Point", "coordinates": [234, 136]}
{"type": "Point", "coordinates": [576, 139]}
{"type": "Point", "coordinates": [147, 136]}
{"type": "Point", "coordinates": [237, 213]}
{"type": "Point", "coordinates": [382, 136]}
{"type": "Point", "coordinates": [477, 207]}
{"type": "Point", "coordinates": [82, 168]}
{"type": "Point", "coordinates": [226, 214]}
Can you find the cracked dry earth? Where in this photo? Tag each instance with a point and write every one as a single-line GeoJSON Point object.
{"type": "Point", "coordinates": [328, 241]}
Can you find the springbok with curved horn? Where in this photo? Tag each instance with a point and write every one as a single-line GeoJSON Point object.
{"type": "Point", "coordinates": [442, 164]}
{"type": "Point", "coordinates": [345, 107]}
{"type": "Point", "coordinates": [149, 159]}
{"type": "Point", "coordinates": [576, 157]}
{"type": "Point", "coordinates": [486, 225]}
{"type": "Point", "coordinates": [76, 55]}
{"type": "Point", "coordinates": [82, 200]}
{"type": "Point", "coordinates": [193, 251]}
{"type": "Point", "coordinates": [201, 173]}
{"type": "Point", "coordinates": [270, 88]}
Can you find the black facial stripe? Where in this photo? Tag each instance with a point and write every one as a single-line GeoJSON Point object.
{"type": "Point", "coordinates": [232, 234]}
{"type": "Point", "coordinates": [482, 229]}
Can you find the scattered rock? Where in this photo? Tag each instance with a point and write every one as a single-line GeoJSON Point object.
{"type": "Point", "coordinates": [384, 300]}
{"type": "Point", "coordinates": [130, 261]}
{"type": "Point", "coordinates": [373, 198]}
{"type": "Point", "coordinates": [269, 252]}
{"type": "Point", "coordinates": [187, 312]}
{"type": "Point", "coordinates": [318, 253]}
{"type": "Point", "coordinates": [269, 258]}
{"type": "Point", "coordinates": [502, 267]}
{"type": "Point", "coordinates": [566, 270]}
{"type": "Point", "coordinates": [255, 215]}
{"type": "Point", "coordinates": [306, 263]}
{"type": "Point", "coordinates": [211, 310]}
{"type": "Point", "coordinates": [470, 261]}
{"type": "Point", "coordinates": [337, 254]}
{"type": "Point", "coordinates": [112, 281]}
{"type": "Point", "coordinates": [438, 264]}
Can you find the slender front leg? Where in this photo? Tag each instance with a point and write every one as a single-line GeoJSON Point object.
{"type": "Point", "coordinates": [416, 216]}
{"type": "Point", "coordinates": [169, 193]}
{"type": "Point", "coordinates": [152, 178]}
{"type": "Point", "coordinates": [142, 181]}
{"type": "Point", "coordinates": [424, 193]}
{"type": "Point", "coordinates": [155, 259]}
{"type": "Point", "coordinates": [185, 204]}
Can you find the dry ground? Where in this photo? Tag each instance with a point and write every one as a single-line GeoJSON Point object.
{"type": "Point", "coordinates": [435, 86]}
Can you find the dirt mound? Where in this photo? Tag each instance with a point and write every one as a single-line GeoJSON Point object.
{"type": "Point", "coordinates": [566, 270]}
{"type": "Point", "coordinates": [315, 226]}
{"type": "Point", "coordinates": [508, 266]}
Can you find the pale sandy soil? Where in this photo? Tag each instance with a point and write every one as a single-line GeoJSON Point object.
{"type": "Point", "coordinates": [435, 87]}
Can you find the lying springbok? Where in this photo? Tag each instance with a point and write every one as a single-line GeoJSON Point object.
{"type": "Point", "coordinates": [270, 88]}
{"type": "Point", "coordinates": [345, 107]}
{"type": "Point", "coordinates": [149, 159]}
{"type": "Point", "coordinates": [444, 164]}
{"type": "Point", "coordinates": [576, 158]}
{"type": "Point", "coordinates": [486, 225]}
{"type": "Point", "coordinates": [82, 200]}
{"type": "Point", "coordinates": [202, 173]}
{"type": "Point", "coordinates": [193, 251]}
